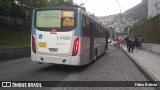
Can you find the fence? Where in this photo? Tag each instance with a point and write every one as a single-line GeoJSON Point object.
{"type": "Point", "coordinates": [149, 31]}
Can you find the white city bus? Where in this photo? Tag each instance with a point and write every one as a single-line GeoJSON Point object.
{"type": "Point", "coordinates": [66, 35]}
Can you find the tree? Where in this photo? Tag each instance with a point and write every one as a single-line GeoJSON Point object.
{"type": "Point", "coordinates": [23, 8]}
{"type": "Point", "coordinates": [29, 5]}
{"type": "Point", "coordinates": [137, 24]}
{"type": "Point", "coordinates": [5, 7]}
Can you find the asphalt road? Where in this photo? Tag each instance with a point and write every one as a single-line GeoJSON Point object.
{"type": "Point", "coordinates": [114, 65]}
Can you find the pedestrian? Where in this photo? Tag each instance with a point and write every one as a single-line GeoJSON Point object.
{"type": "Point", "coordinates": [123, 43]}
{"type": "Point", "coordinates": [139, 42]}
{"type": "Point", "coordinates": [118, 42]}
{"type": "Point", "coordinates": [127, 42]}
{"type": "Point", "coordinates": [131, 43]}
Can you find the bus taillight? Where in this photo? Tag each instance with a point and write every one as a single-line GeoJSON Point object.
{"type": "Point", "coordinates": [33, 45]}
{"type": "Point", "coordinates": [53, 31]}
{"type": "Point", "coordinates": [75, 47]}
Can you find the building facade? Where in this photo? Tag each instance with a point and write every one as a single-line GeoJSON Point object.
{"type": "Point", "coordinates": [153, 8]}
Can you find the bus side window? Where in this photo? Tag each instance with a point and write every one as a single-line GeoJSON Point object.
{"type": "Point", "coordinates": [99, 32]}
{"type": "Point", "coordinates": [102, 33]}
{"type": "Point", "coordinates": [87, 32]}
{"type": "Point", "coordinates": [83, 25]}
{"type": "Point", "coordinates": [96, 31]}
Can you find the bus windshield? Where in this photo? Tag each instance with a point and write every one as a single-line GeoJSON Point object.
{"type": "Point", "coordinates": [55, 19]}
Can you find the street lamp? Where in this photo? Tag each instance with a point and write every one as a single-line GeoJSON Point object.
{"type": "Point", "coordinates": [120, 17]}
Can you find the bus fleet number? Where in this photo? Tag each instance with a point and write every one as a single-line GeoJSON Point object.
{"type": "Point", "coordinates": [63, 38]}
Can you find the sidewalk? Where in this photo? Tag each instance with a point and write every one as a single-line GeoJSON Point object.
{"type": "Point", "coordinates": [148, 62]}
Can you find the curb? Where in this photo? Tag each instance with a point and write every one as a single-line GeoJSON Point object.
{"type": "Point", "coordinates": [148, 75]}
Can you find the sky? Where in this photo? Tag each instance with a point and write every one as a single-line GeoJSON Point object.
{"type": "Point", "coordinates": [107, 7]}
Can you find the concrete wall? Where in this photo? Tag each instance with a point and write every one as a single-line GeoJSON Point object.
{"type": "Point", "coordinates": [14, 53]}
{"type": "Point", "coordinates": [155, 48]}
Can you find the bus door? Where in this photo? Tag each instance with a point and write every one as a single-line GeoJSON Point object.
{"type": "Point", "coordinates": [91, 27]}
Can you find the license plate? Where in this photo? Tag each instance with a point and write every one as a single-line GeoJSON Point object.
{"type": "Point", "coordinates": [42, 44]}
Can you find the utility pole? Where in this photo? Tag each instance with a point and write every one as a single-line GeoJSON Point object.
{"type": "Point", "coordinates": [115, 33]}
{"type": "Point", "coordinates": [120, 18]}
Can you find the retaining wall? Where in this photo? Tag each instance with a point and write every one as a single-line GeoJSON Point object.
{"type": "Point", "coordinates": [14, 53]}
{"type": "Point", "coordinates": [151, 47]}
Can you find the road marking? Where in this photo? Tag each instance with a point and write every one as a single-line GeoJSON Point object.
{"type": "Point", "coordinates": [72, 77]}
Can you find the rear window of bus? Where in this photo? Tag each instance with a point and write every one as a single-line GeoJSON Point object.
{"type": "Point", "coordinates": [60, 19]}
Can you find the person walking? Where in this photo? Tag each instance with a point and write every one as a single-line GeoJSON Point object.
{"type": "Point", "coordinates": [127, 42]}
{"type": "Point", "coordinates": [118, 42]}
{"type": "Point", "coordinates": [139, 42]}
{"type": "Point", "coordinates": [131, 43]}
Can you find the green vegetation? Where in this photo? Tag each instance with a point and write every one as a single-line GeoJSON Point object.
{"type": "Point", "coordinates": [12, 38]}
{"type": "Point", "coordinates": [23, 8]}
{"type": "Point", "coordinates": [137, 24]}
